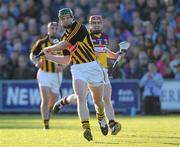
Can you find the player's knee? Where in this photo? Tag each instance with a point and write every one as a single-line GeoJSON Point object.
{"type": "Point", "coordinates": [98, 101]}
{"type": "Point", "coordinates": [107, 100]}
{"type": "Point", "coordinates": [81, 99]}
{"type": "Point", "coordinates": [44, 101]}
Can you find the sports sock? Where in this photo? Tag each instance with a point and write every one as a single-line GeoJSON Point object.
{"type": "Point", "coordinates": [46, 122]}
{"type": "Point", "coordinates": [64, 101]}
{"type": "Point", "coordinates": [85, 125]}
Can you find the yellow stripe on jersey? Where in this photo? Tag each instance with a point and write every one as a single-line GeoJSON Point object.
{"type": "Point", "coordinates": [49, 63]}
{"type": "Point", "coordinates": [43, 58]}
{"type": "Point", "coordinates": [50, 66]}
{"type": "Point", "coordinates": [35, 46]}
{"type": "Point", "coordinates": [47, 66]}
{"type": "Point", "coordinates": [38, 43]}
{"type": "Point", "coordinates": [75, 30]}
{"type": "Point", "coordinates": [89, 55]}
{"type": "Point", "coordinates": [75, 59]}
{"type": "Point", "coordinates": [84, 52]}
{"type": "Point", "coordinates": [87, 43]}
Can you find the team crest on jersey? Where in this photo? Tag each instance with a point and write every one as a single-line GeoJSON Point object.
{"type": "Point", "coordinates": [55, 41]}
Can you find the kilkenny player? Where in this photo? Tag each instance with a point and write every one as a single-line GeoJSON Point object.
{"type": "Point", "coordinates": [49, 75]}
{"type": "Point", "coordinates": [101, 42]}
{"type": "Point", "coordinates": [84, 68]}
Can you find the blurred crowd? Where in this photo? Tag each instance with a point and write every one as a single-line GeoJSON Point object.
{"type": "Point", "coordinates": [151, 26]}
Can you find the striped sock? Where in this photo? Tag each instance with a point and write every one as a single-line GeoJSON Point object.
{"type": "Point", "coordinates": [85, 125]}
{"type": "Point", "coordinates": [46, 122]}
{"type": "Point", "coordinates": [100, 116]}
{"type": "Point", "coordinates": [64, 101]}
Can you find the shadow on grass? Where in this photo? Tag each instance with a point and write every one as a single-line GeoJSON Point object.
{"type": "Point", "coordinates": [150, 136]}
{"type": "Point", "coordinates": [37, 127]}
{"type": "Point", "coordinates": [169, 143]}
{"type": "Point", "coordinates": [147, 142]}
{"type": "Point", "coordinates": [100, 142]}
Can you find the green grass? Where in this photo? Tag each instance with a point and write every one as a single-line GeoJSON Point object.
{"type": "Point", "coordinates": [26, 131]}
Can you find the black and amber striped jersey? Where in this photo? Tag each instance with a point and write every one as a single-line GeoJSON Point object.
{"type": "Point", "coordinates": [48, 66]}
{"type": "Point", "coordinates": [81, 49]}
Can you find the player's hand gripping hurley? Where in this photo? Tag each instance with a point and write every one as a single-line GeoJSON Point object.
{"type": "Point", "coordinates": [123, 47]}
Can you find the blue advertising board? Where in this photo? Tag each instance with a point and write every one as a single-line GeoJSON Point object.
{"type": "Point", "coordinates": [19, 96]}
{"type": "Point", "coordinates": [23, 96]}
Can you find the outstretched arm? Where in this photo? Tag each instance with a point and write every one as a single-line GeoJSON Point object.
{"type": "Point", "coordinates": [113, 55]}
{"type": "Point", "coordinates": [65, 60]}
{"type": "Point", "coordinates": [56, 47]}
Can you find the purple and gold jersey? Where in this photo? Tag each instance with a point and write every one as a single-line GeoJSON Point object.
{"type": "Point", "coordinates": [101, 41]}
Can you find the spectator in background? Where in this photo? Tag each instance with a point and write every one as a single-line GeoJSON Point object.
{"type": "Point", "coordinates": [170, 16]}
{"type": "Point", "coordinates": [143, 62]}
{"type": "Point", "coordinates": [163, 27]}
{"type": "Point", "coordinates": [177, 72]}
{"type": "Point", "coordinates": [55, 5]}
{"type": "Point", "coordinates": [132, 70]}
{"type": "Point", "coordinates": [163, 66]}
{"type": "Point", "coordinates": [151, 82]}
{"type": "Point", "coordinates": [7, 43]}
{"type": "Point", "coordinates": [150, 33]}
{"type": "Point", "coordinates": [177, 31]}
{"type": "Point", "coordinates": [152, 5]}
{"type": "Point", "coordinates": [4, 68]}
{"type": "Point", "coordinates": [13, 62]}
{"type": "Point", "coordinates": [22, 71]}
{"type": "Point", "coordinates": [142, 9]}
{"type": "Point", "coordinates": [32, 28]}
{"type": "Point", "coordinates": [5, 15]}
{"type": "Point", "coordinates": [175, 66]}
{"type": "Point", "coordinates": [157, 53]}
{"type": "Point", "coordinates": [25, 42]}
{"type": "Point", "coordinates": [148, 45]}
{"type": "Point", "coordinates": [161, 43]}
{"type": "Point", "coordinates": [173, 51]}
{"type": "Point", "coordinates": [127, 11]}
{"type": "Point", "coordinates": [44, 16]}
{"type": "Point", "coordinates": [79, 14]}
{"type": "Point", "coordinates": [154, 18]}
{"type": "Point", "coordinates": [138, 28]}
{"type": "Point", "coordinates": [85, 8]}
{"type": "Point", "coordinates": [170, 37]}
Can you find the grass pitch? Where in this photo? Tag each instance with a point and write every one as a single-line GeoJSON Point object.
{"type": "Point", "coordinates": [66, 131]}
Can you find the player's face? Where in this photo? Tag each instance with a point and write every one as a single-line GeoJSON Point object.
{"type": "Point", "coordinates": [151, 67]}
{"type": "Point", "coordinates": [52, 30]}
{"type": "Point", "coordinates": [66, 21]}
{"type": "Point", "coordinates": [96, 26]}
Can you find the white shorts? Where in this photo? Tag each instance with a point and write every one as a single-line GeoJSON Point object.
{"type": "Point", "coordinates": [91, 73]}
{"type": "Point", "coordinates": [51, 80]}
{"type": "Point", "coordinates": [106, 76]}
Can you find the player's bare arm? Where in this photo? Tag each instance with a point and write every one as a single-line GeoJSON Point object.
{"type": "Point", "coordinates": [56, 47]}
{"type": "Point", "coordinates": [113, 55]}
{"type": "Point", "coordinates": [35, 60]}
{"type": "Point", "coordinates": [65, 60]}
